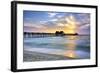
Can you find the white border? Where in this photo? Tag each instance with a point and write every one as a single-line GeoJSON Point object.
{"type": "Point", "coordinates": [29, 65]}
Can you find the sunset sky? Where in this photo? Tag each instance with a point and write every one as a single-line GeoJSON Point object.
{"type": "Point", "coordinates": [50, 22]}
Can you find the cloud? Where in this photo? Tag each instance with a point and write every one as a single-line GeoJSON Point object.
{"type": "Point", "coordinates": [60, 24]}
{"type": "Point", "coordinates": [70, 19]}
{"type": "Point", "coordinates": [85, 26]}
{"type": "Point", "coordinates": [52, 14]}
{"type": "Point", "coordinates": [53, 20]}
{"type": "Point", "coordinates": [60, 16]}
{"type": "Point", "coordinates": [43, 22]}
{"type": "Point", "coordinates": [84, 18]}
{"type": "Point", "coordinates": [34, 25]}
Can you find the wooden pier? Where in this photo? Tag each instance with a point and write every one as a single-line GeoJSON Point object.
{"type": "Point", "coordinates": [31, 35]}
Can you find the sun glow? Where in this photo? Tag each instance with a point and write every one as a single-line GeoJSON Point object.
{"type": "Point", "coordinates": [71, 25]}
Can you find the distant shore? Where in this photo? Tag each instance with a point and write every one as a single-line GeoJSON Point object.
{"type": "Point", "coordinates": [36, 56]}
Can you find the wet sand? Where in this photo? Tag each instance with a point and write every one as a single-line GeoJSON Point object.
{"type": "Point", "coordinates": [36, 56]}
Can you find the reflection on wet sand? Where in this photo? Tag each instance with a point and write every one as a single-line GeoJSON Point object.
{"type": "Point", "coordinates": [71, 46]}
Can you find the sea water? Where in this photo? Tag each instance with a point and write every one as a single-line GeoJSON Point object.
{"type": "Point", "coordinates": [76, 47]}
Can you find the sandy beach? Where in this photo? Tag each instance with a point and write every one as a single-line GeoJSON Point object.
{"type": "Point", "coordinates": [36, 56]}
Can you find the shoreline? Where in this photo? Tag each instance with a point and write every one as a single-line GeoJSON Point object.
{"type": "Point", "coordinates": [36, 56]}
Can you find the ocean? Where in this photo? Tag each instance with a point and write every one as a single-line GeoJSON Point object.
{"type": "Point", "coordinates": [71, 46]}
